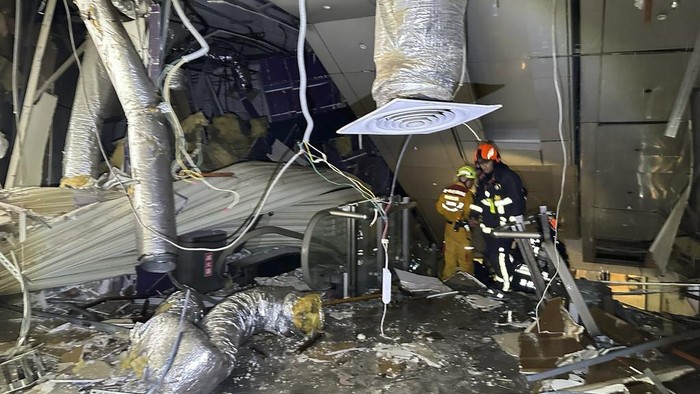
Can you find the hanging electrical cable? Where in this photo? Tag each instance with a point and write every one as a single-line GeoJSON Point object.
{"type": "Point", "coordinates": [386, 274]}
{"type": "Point", "coordinates": [560, 126]}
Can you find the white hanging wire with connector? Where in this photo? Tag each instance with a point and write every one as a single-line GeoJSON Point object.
{"type": "Point", "coordinates": [386, 273]}
{"type": "Point", "coordinates": [560, 121]}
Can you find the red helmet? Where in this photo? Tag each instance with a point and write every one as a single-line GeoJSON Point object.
{"type": "Point", "coordinates": [487, 151]}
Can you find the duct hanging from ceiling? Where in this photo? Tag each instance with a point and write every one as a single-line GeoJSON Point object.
{"type": "Point", "coordinates": [206, 356]}
{"type": "Point", "coordinates": [149, 147]}
{"type": "Point", "coordinates": [419, 48]}
{"type": "Point", "coordinates": [93, 96]}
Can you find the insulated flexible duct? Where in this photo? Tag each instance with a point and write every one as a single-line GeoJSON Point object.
{"type": "Point", "coordinates": [237, 318]}
{"type": "Point", "coordinates": [149, 147]}
{"type": "Point", "coordinates": [418, 49]}
{"type": "Point", "coordinates": [206, 356]}
{"type": "Point", "coordinates": [198, 366]}
{"type": "Point", "coordinates": [93, 95]}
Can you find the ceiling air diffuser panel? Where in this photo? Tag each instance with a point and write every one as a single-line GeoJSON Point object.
{"type": "Point", "coordinates": [411, 116]}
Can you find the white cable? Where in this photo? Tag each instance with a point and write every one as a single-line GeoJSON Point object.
{"type": "Point", "coordinates": [202, 42]}
{"type": "Point", "coordinates": [473, 132]}
{"type": "Point", "coordinates": [386, 266]}
{"type": "Point", "coordinates": [302, 71]}
{"type": "Point", "coordinates": [560, 121]}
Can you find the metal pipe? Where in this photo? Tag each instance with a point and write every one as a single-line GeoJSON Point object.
{"type": "Point", "coordinates": [613, 355]}
{"type": "Point", "coordinates": [405, 234]}
{"type": "Point", "coordinates": [28, 103]}
{"type": "Point", "coordinates": [59, 71]}
{"type": "Point", "coordinates": [349, 215]}
{"type": "Point", "coordinates": [691, 75]}
{"type": "Point", "coordinates": [149, 146]}
{"type": "Point", "coordinates": [164, 25]}
{"type": "Point", "coordinates": [352, 256]}
{"type": "Point", "coordinates": [93, 95]}
{"type": "Point", "coordinates": [516, 234]}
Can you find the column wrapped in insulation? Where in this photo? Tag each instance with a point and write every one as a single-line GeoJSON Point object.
{"type": "Point", "coordinates": [418, 49]}
{"type": "Point", "coordinates": [93, 96]}
{"type": "Point", "coordinates": [149, 146]}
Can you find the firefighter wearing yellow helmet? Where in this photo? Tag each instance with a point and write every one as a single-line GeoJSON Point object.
{"type": "Point", "coordinates": [453, 204]}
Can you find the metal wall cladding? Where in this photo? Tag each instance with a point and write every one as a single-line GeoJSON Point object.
{"type": "Point", "coordinates": [668, 28]}
{"type": "Point", "coordinates": [639, 174]}
{"type": "Point", "coordinates": [620, 225]}
{"type": "Point", "coordinates": [280, 80]}
{"type": "Point", "coordinates": [639, 87]}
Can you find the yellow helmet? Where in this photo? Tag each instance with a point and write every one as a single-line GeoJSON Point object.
{"type": "Point", "coordinates": [466, 171]}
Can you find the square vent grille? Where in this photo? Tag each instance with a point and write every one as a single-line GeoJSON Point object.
{"type": "Point", "coordinates": [411, 116]}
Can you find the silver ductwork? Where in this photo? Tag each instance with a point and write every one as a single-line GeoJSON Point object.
{"type": "Point", "coordinates": [418, 49]}
{"type": "Point", "coordinates": [149, 147]}
{"type": "Point", "coordinates": [93, 96]}
{"type": "Point", "coordinates": [237, 318]}
{"type": "Point", "coordinates": [206, 355]}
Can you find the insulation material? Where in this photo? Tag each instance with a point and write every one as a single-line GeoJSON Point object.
{"type": "Point", "coordinates": [419, 48]}
{"type": "Point", "coordinates": [149, 146]}
{"type": "Point", "coordinates": [258, 127]}
{"type": "Point", "coordinates": [228, 141]}
{"type": "Point", "coordinates": [91, 232]}
{"type": "Point", "coordinates": [175, 303]}
{"type": "Point", "coordinates": [198, 367]}
{"type": "Point", "coordinates": [206, 356]}
{"type": "Point", "coordinates": [93, 96]}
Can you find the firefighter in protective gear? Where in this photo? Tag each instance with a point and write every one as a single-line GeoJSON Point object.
{"type": "Point", "coordinates": [499, 200]}
{"type": "Point", "coordinates": [453, 205]}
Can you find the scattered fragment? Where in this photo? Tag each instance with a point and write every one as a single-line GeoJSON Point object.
{"type": "Point", "coordinates": [419, 283]}
{"type": "Point", "coordinates": [361, 337]}
{"type": "Point", "coordinates": [479, 302]}
{"type": "Point", "coordinates": [509, 342]}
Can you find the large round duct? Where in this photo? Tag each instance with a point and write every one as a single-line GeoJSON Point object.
{"type": "Point", "coordinates": [419, 49]}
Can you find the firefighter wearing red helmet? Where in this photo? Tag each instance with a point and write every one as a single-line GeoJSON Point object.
{"type": "Point", "coordinates": [499, 199]}
{"type": "Point", "coordinates": [453, 204]}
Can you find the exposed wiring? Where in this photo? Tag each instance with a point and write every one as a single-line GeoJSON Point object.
{"type": "Point", "coordinates": [385, 232]}
{"type": "Point", "coordinates": [560, 126]}
{"type": "Point", "coordinates": [176, 345]}
{"type": "Point", "coordinates": [355, 184]}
